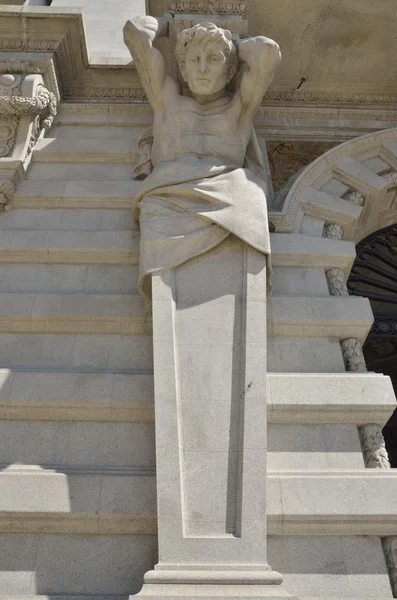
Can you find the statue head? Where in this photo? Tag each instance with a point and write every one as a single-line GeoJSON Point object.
{"type": "Point", "coordinates": [207, 58]}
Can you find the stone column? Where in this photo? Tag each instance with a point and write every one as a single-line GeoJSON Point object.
{"type": "Point", "coordinates": [209, 329]}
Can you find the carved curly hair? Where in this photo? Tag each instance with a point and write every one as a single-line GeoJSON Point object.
{"type": "Point", "coordinates": [202, 34]}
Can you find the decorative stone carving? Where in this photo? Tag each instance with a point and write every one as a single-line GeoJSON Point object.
{"type": "Point", "coordinates": [390, 177]}
{"type": "Point", "coordinates": [355, 197]}
{"type": "Point", "coordinates": [390, 549]}
{"type": "Point", "coordinates": [7, 189]}
{"type": "Point", "coordinates": [197, 137]}
{"type": "Point", "coordinates": [203, 7]}
{"type": "Point", "coordinates": [373, 447]}
{"type": "Point", "coordinates": [287, 158]}
{"type": "Point", "coordinates": [203, 197]}
{"type": "Point", "coordinates": [336, 282]}
{"type": "Point", "coordinates": [333, 231]}
{"type": "Point", "coordinates": [43, 106]}
{"type": "Point", "coordinates": [353, 355]}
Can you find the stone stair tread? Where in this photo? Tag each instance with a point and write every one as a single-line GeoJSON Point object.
{"type": "Point", "coordinates": [330, 398]}
{"type": "Point", "coordinates": [76, 188]}
{"type": "Point", "coordinates": [112, 240]}
{"type": "Point", "coordinates": [73, 279]}
{"type": "Point", "coordinates": [76, 220]}
{"type": "Point", "coordinates": [77, 150]}
{"type": "Point", "coordinates": [91, 171]}
{"type": "Point", "coordinates": [107, 352]}
{"type": "Point", "coordinates": [90, 305]}
{"type": "Point", "coordinates": [323, 316]}
{"type": "Point", "coordinates": [76, 396]}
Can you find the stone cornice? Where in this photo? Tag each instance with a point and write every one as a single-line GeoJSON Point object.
{"type": "Point", "coordinates": [63, 38]}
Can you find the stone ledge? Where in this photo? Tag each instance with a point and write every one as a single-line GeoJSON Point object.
{"type": "Point", "coordinates": [50, 150]}
{"type": "Point", "coordinates": [330, 398]}
{"type": "Point", "coordinates": [333, 502]}
{"type": "Point", "coordinates": [61, 523]}
{"type": "Point", "coordinates": [295, 250]}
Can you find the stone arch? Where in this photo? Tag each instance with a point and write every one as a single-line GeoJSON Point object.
{"type": "Point", "coordinates": [353, 185]}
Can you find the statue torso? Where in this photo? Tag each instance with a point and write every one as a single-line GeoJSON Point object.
{"type": "Point", "coordinates": [213, 129]}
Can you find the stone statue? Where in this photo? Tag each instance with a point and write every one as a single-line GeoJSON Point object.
{"type": "Point", "coordinates": [201, 160]}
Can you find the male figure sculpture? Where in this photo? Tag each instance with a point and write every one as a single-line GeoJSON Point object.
{"type": "Point", "coordinates": [203, 185]}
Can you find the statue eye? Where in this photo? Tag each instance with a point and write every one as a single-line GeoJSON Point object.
{"type": "Point", "coordinates": [214, 58]}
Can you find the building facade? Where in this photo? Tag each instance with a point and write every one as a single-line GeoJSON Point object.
{"type": "Point", "coordinates": [78, 477]}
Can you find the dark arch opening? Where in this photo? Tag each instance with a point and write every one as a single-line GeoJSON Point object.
{"type": "Point", "coordinates": [374, 275]}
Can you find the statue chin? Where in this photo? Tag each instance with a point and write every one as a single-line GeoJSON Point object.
{"type": "Point", "coordinates": [205, 89]}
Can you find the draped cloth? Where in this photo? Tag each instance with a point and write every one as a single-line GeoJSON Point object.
{"type": "Point", "coordinates": [190, 204]}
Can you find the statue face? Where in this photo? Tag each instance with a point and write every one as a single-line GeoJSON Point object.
{"type": "Point", "coordinates": [206, 68]}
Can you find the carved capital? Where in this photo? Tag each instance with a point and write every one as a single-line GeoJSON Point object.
{"type": "Point", "coordinates": [353, 355]}
{"type": "Point", "coordinates": [373, 447]}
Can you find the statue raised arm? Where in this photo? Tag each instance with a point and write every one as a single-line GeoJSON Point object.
{"type": "Point", "coordinates": [205, 158]}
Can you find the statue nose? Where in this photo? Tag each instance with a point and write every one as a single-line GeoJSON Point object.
{"type": "Point", "coordinates": [203, 65]}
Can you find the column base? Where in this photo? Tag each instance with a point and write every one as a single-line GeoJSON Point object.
{"type": "Point", "coordinates": [213, 585]}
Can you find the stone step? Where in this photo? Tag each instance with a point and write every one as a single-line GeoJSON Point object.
{"type": "Point", "coordinates": [121, 247]}
{"type": "Point", "coordinates": [330, 398]}
{"type": "Point", "coordinates": [78, 352]}
{"type": "Point", "coordinates": [72, 396]}
{"type": "Point", "coordinates": [332, 316]}
{"type": "Point", "coordinates": [83, 150]}
{"type": "Point", "coordinates": [332, 502]}
{"type": "Point", "coordinates": [90, 567]}
{"type": "Point", "coordinates": [69, 247]}
{"type": "Point", "coordinates": [61, 220]}
{"type": "Point", "coordinates": [72, 279]}
{"type": "Point", "coordinates": [295, 250]}
{"type": "Point", "coordinates": [126, 493]}
{"type": "Point", "coordinates": [102, 132]}
{"type": "Point", "coordinates": [299, 503]}
{"type": "Point", "coordinates": [307, 399]}
{"type": "Point", "coordinates": [75, 193]}
{"type": "Point", "coordinates": [93, 171]}
{"type": "Point", "coordinates": [73, 313]}
{"type": "Point", "coordinates": [83, 449]}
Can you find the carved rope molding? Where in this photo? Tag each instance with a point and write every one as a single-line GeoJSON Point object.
{"type": "Point", "coordinates": [390, 550]}
{"type": "Point", "coordinates": [337, 282]}
{"type": "Point", "coordinates": [371, 438]}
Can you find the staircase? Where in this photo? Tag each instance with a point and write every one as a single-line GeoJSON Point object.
{"type": "Point", "coordinates": [77, 478]}
{"type": "Point", "coordinates": [76, 402]}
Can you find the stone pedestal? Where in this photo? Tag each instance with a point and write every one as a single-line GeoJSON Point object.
{"type": "Point", "coordinates": [209, 329]}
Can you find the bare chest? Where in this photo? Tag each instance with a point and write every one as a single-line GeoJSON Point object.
{"type": "Point", "coordinates": [185, 129]}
